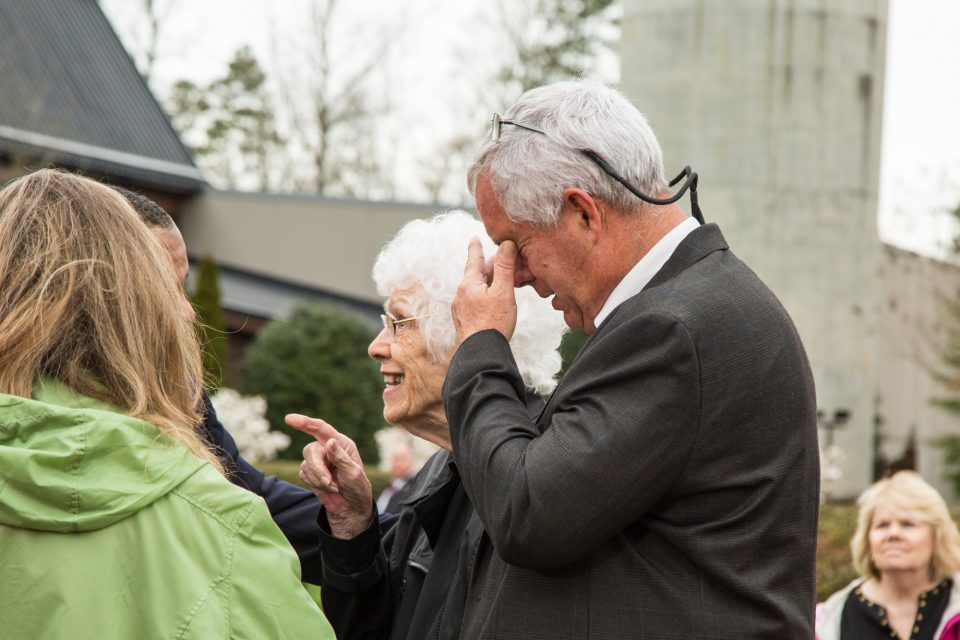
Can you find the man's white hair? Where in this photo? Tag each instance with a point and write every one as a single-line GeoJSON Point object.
{"type": "Point", "coordinates": [427, 257]}
{"type": "Point", "coordinates": [530, 170]}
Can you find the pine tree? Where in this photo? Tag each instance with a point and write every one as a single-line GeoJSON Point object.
{"type": "Point", "coordinates": [210, 323]}
{"type": "Point", "coordinates": [231, 125]}
{"type": "Point", "coordinates": [558, 40]}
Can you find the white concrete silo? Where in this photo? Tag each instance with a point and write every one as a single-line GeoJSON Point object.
{"type": "Point", "coordinates": [777, 104]}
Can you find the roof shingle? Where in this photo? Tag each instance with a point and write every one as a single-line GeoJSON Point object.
{"type": "Point", "coordinates": [70, 94]}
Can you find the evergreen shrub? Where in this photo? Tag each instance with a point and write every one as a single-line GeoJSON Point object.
{"type": "Point", "coordinates": [316, 363]}
{"type": "Point", "coordinates": [210, 323]}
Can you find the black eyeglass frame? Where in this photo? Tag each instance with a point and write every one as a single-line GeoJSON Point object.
{"type": "Point", "coordinates": [691, 176]}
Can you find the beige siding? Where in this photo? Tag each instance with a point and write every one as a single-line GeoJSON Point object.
{"type": "Point", "coordinates": [317, 242]}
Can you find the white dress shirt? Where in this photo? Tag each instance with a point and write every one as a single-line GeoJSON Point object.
{"type": "Point", "coordinates": [648, 266]}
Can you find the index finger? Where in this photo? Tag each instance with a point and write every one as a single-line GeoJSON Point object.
{"type": "Point", "coordinates": [315, 427]}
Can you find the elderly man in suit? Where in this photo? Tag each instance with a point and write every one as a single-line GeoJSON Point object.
{"type": "Point", "coordinates": [669, 489]}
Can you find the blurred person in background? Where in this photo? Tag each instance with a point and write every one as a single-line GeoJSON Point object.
{"type": "Point", "coordinates": [115, 518]}
{"type": "Point", "coordinates": [401, 473]}
{"type": "Point", "coordinates": [907, 551]}
{"type": "Point", "coordinates": [413, 582]}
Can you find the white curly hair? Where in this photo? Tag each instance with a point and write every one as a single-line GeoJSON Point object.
{"type": "Point", "coordinates": [428, 257]}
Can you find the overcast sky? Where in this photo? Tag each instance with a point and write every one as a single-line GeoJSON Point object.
{"type": "Point", "coordinates": [439, 49]}
{"type": "Point", "coordinates": [920, 170]}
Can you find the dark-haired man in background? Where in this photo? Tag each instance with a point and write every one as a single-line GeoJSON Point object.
{"type": "Point", "coordinates": [293, 508]}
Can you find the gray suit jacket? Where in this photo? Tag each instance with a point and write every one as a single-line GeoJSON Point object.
{"type": "Point", "coordinates": [670, 487]}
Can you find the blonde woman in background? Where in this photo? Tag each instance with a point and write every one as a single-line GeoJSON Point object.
{"type": "Point", "coordinates": [115, 519]}
{"type": "Point", "coordinates": [907, 551]}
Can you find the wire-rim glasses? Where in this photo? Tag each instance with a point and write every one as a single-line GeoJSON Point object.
{"type": "Point", "coordinates": [691, 176]}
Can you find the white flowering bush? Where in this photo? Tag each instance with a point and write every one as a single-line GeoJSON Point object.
{"type": "Point", "coordinates": [243, 416]}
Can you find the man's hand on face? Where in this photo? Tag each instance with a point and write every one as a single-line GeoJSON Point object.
{"type": "Point", "coordinates": [485, 298]}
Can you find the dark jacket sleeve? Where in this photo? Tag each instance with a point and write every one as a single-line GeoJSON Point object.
{"type": "Point", "coordinates": [357, 587]}
{"type": "Point", "coordinates": [373, 583]}
{"type": "Point", "coordinates": [609, 453]}
{"type": "Point", "coordinates": [293, 508]}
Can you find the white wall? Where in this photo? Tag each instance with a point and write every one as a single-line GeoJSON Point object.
{"type": "Point", "coordinates": [913, 336]}
{"type": "Point", "coordinates": [778, 106]}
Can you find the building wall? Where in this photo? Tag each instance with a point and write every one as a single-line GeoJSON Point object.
{"type": "Point", "coordinates": [324, 243]}
{"type": "Point", "coordinates": [913, 335]}
{"type": "Point", "coordinates": [778, 105]}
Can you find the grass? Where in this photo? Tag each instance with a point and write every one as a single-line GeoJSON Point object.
{"type": "Point", "coordinates": [834, 567]}
{"type": "Point", "coordinates": [289, 470]}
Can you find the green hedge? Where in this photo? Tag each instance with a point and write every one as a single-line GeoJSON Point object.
{"type": "Point", "coordinates": [211, 326]}
{"type": "Point", "coordinates": [289, 470]}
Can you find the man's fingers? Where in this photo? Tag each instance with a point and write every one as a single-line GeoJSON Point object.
{"type": "Point", "coordinates": [475, 262]}
{"type": "Point", "coordinates": [505, 264]}
{"type": "Point", "coordinates": [317, 428]}
{"type": "Point", "coordinates": [486, 300]}
{"type": "Point", "coordinates": [488, 270]}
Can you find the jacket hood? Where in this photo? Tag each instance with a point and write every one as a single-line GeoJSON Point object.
{"type": "Point", "coordinates": [72, 463]}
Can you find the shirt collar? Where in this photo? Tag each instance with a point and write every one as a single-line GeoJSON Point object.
{"type": "Point", "coordinates": [648, 266]}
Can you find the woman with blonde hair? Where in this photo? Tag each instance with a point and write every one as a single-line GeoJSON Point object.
{"type": "Point", "coordinates": [907, 551]}
{"type": "Point", "coordinates": [115, 519]}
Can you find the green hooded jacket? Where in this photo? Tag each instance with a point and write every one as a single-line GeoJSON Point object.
{"type": "Point", "coordinates": [108, 529]}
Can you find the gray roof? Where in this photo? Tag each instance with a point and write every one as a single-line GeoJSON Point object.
{"type": "Point", "coordinates": [71, 96]}
{"type": "Point", "coordinates": [269, 298]}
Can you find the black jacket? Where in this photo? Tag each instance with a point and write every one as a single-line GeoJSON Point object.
{"type": "Point", "coordinates": [670, 487]}
{"type": "Point", "coordinates": [410, 582]}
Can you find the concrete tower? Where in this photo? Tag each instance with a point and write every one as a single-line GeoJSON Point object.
{"type": "Point", "coordinates": [777, 104]}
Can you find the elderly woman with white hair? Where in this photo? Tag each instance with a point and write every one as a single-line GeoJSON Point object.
{"type": "Point", "coordinates": [907, 550]}
{"type": "Point", "coordinates": [412, 580]}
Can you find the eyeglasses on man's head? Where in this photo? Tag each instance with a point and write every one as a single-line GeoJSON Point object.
{"type": "Point", "coordinates": [691, 176]}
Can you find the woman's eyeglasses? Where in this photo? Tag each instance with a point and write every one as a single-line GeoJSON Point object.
{"type": "Point", "coordinates": [391, 323]}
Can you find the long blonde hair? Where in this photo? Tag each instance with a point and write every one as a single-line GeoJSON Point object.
{"type": "Point", "coordinates": [909, 491]}
{"type": "Point", "coordinates": [88, 297]}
